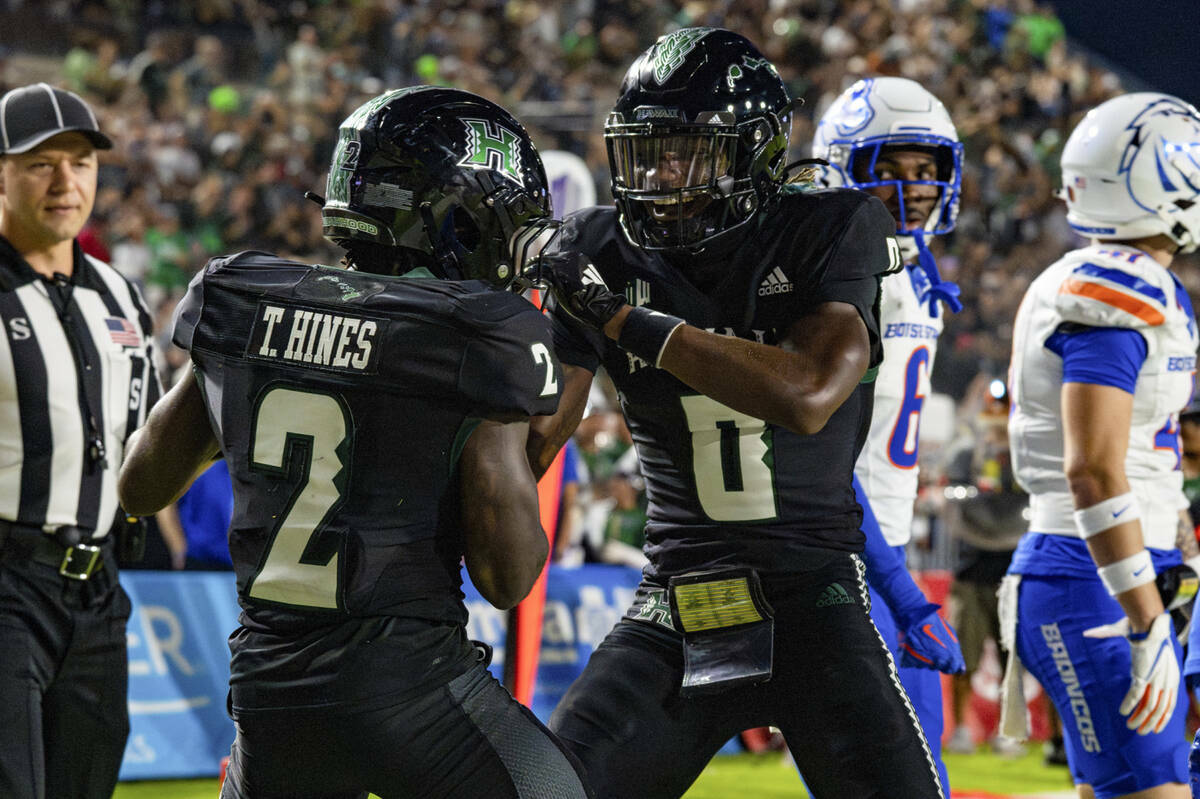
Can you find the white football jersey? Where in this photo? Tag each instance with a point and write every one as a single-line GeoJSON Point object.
{"type": "Point", "coordinates": [1104, 285]}
{"type": "Point", "coordinates": [887, 465]}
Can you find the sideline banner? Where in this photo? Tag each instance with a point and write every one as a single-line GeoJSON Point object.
{"type": "Point", "coordinates": [582, 605]}
{"type": "Point", "coordinates": [178, 673]}
{"type": "Point", "coordinates": [179, 660]}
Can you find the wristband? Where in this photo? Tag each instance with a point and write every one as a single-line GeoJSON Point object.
{"type": "Point", "coordinates": [1107, 514]}
{"type": "Point", "coordinates": [645, 333]}
{"type": "Point", "coordinates": [1127, 573]}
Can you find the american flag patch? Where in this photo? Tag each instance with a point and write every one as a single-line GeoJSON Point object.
{"type": "Point", "coordinates": [1080, 182]}
{"type": "Point", "coordinates": [122, 331]}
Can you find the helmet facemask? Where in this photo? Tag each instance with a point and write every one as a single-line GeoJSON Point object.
{"type": "Point", "coordinates": [697, 140]}
{"type": "Point", "coordinates": [877, 115]}
{"type": "Point", "coordinates": [861, 172]}
{"type": "Point", "coordinates": [681, 186]}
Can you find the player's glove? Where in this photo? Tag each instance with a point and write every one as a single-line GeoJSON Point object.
{"type": "Point", "coordinates": [1154, 689]}
{"type": "Point", "coordinates": [579, 289]}
{"type": "Point", "coordinates": [925, 640]}
{"type": "Point", "coordinates": [931, 643]}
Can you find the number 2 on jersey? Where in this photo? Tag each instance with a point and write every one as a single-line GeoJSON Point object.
{"type": "Point", "coordinates": [304, 432]}
{"type": "Point", "coordinates": [729, 456]}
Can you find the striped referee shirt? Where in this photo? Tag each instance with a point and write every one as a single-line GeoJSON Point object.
{"type": "Point", "coordinates": [77, 376]}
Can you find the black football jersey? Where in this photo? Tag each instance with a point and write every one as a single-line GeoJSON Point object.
{"type": "Point", "coordinates": [723, 487]}
{"type": "Point", "coordinates": [341, 401]}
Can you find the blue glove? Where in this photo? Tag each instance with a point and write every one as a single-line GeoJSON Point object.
{"type": "Point", "coordinates": [931, 643]}
{"type": "Point", "coordinates": [935, 648]}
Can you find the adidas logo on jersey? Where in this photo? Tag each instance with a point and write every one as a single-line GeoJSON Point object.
{"type": "Point", "coordinates": [834, 594]}
{"type": "Point", "coordinates": [776, 283]}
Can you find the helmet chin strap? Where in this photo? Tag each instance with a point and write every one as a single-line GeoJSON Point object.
{"type": "Point", "coordinates": [446, 259]}
{"type": "Point", "coordinates": [939, 289]}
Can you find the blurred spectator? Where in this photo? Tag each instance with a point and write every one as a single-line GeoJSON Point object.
{"type": "Point", "coordinates": [624, 532]}
{"type": "Point", "coordinates": [168, 245]}
{"type": "Point", "coordinates": [1189, 456]}
{"type": "Point", "coordinates": [205, 70]}
{"type": "Point", "coordinates": [149, 71]}
{"type": "Point", "coordinates": [93, 238]}
{"type": "Point", "coordinates": [986, 511]}
{"type": "Point", "coordinates": [601, 493]}
{"type": "Point", "coordinates": [306, 66]}
{"type": "Point", "coordinates": [568, 551]}
{"type": "Point", "coordinates": [205, 511]}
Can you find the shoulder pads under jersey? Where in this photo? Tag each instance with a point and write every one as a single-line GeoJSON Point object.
{"type": "Point", "coordinates": [1100, 293]}
{"type": "Point", "coordinates": [508, 363]}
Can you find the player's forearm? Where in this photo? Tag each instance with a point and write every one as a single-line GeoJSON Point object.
{"type": "Point", "coordinates": [165, 455]}
{"type": "Point", "coordinates": [1142, 605]}
{"type": "Point", "coordinates": [799, 388]}
{"type": "Point", "coordinates": [1092, 484]}
{"type": "Point", "coordinates": [794, 389]}
{"type": "Point", "coordinates": [506, 548]}
{"type": "Point", "coordinates": [1115, 545]}
{"type": "Point", "coordinates": [768, 383]}
{"type": "Point", "coordinates": [548, 434]}
{"type": "Point", "coordinates": [152, 477]}
{"type": "Point", "coordinates": [505, 545]}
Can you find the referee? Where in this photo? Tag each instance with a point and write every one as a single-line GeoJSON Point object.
{"type": "Point", "coordinates": [76, 377]}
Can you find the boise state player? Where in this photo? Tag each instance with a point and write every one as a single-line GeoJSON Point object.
{"type": "Point", "coordinates": [374, 423]}
{"type": "Point", "coordinates": [892, 138]}
{"type": "Point", "coordinates": [1104, 348]}
{"type": "Point", "coordinates": [740, 331]}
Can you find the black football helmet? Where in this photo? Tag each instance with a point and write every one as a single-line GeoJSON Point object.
{"type": "Point", "coordinates": [436, 177]}
{"type": "Point", "coordinates": [697, 140]}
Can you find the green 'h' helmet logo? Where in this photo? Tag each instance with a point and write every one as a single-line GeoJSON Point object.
{"type": "Point", "coordinates": [672, 49]}
{"type": "Point", "coordinates": [493, 146]}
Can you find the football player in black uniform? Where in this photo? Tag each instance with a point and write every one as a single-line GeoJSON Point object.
{"type": "Point", "coordinates": [374, 424]}
{"type": "Point", "coordinates": [738, 317]}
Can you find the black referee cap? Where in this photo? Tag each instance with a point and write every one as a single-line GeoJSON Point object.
{"type": "Point", "coordinates": [31, 114]}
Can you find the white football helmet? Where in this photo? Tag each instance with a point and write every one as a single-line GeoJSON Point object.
{"type": "Point", "coordinates": [1131, 169]}
{"type": "Point", "coordinates": [882, 112]}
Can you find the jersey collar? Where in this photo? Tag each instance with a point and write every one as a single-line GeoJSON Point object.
{"type": "Point", "coordinates": [15, 271]}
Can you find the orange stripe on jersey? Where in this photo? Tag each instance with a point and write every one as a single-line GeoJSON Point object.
{"type": "Point", "coordinates": [1118, 299]}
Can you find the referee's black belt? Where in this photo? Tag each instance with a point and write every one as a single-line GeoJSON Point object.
{"type": "Point", "coordinates": [77, 561]}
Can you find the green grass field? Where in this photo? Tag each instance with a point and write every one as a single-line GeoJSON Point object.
{"type": "Point", "coordinates": [762, 776]}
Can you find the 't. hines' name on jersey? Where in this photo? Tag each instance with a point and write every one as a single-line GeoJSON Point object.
{"type": "Point", "coordinates": [314, 337]}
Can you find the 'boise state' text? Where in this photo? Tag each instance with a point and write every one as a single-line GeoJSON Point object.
{"type": "Point", "coordinates": [910, 330]}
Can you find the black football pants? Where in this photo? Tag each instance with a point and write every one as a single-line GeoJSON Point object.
{"type": "Point", "coordinates": [63, 683]}
{"type": "Point", "coordinates": [463, 740]}
{"type": "Point", "coordinates": [834, 694]}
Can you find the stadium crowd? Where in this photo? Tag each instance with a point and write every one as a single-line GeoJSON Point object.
{"type": "Point", "coordinates": [224, 111]}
